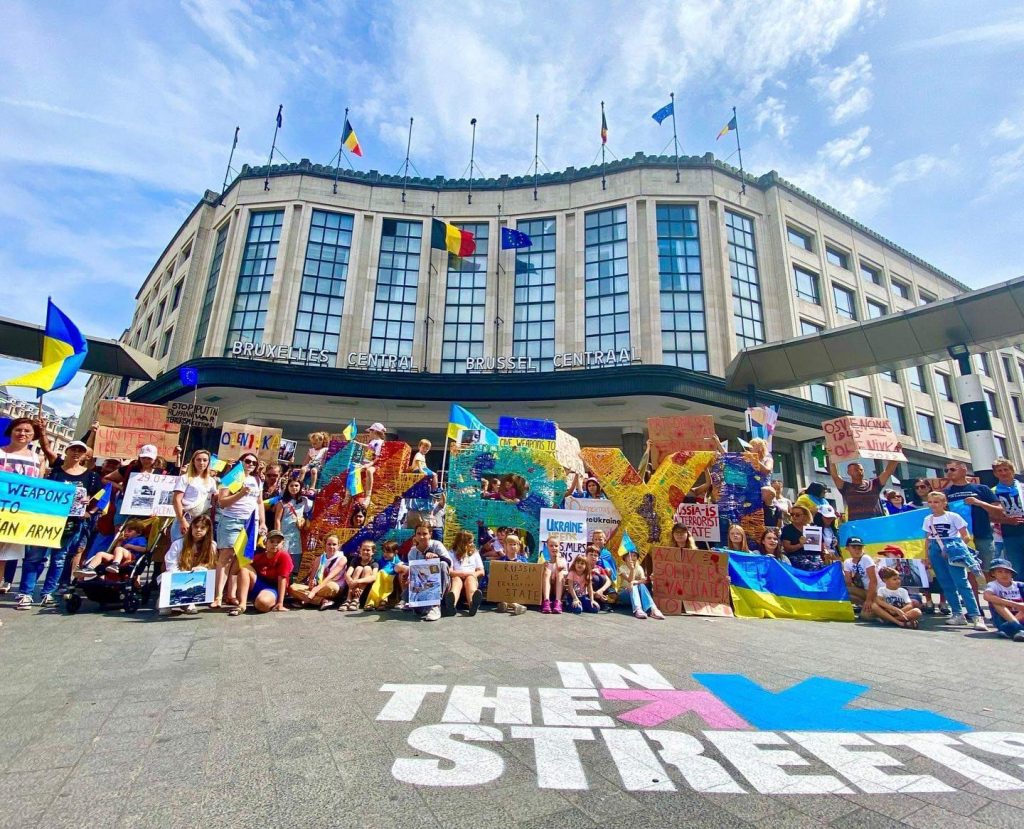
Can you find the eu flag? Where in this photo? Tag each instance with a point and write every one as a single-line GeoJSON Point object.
{"type": "Point", "coordinates": [188, 376]}
{"type": "Point", "coordinates": [514, 239]}
{"type": "Point", "coordinates": [664, 112]}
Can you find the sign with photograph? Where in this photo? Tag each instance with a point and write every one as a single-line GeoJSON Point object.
{"type": "Point", "coordinates": [150, 495]}
{"type": "Point", "coordinates": [865, 438]}
{"type": "Point", "coordinates": [184, 587]}
{"type": "Point", "coordinates": [569, 527]}
{"type": "Point", "coordinates": [694, 581]}
{"type": "Point", "coordinates": [812, 539]}
{"type": "Point", "coordinates": [425, 583]}
{"type": "Point", "coordinates": [913, 572]}
{"type": "Point", "coordinates": [701, 520]}
{"type": "Point", "coordinates": [681, 433]}
{"type": "Point", "coordinates": [286, 452]}
{"type": "Point", "coordinates": [514, 581]}
{"type": "Point", "coordinates": [193, 414]}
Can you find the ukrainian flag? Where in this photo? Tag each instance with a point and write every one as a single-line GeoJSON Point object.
{"type": "Point", "coordinates": [64, 351]}
{"type": "Point", "coordinates": [460, 419]}
{"type": "Point", "coordinates": [245, 544]}
{"type": "Point", "coordinates": [354, 481]}
{"type": "Point", "coordinates": [764, 588]}
{"type": "Point", "coordinates": [235, 479]}
{"type": "Point", "coordinates": [350, 431]}
{"type": "Point", "coordinates": [902, 531]}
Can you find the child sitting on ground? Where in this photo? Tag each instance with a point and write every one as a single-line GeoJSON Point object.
{"type": "Point", "coordinates": [318, 442]}
{"type": "Point", "coordinates": [362, 572]}
{"type": "Point", "coordinates": [513, 552]}
{"type": "Point", "coordinates": [602, 586]}
{"type": "Point", "coordinates": [325, 582]}
{"type": "Point", "coordinates": [633, 582]}
{"type": "Point", "coordinates": [860, 574]}
{"type": "Point", "coordinates": [467, 570]}
{"type": "Point", "coordinates": [133, 543]}
{"type": "Point", "coordinates": [384, 584]}
{"type": "Point", "coordinates": [892, 601]}
{"type": "Point", "coordinates": [554, 577]}
{"type": "Point", "coordinates": [1005, 597]}
{"type": "Point", "coordinates": [419, 462]}
{"type": "Point", "coordinates": [581, 589]}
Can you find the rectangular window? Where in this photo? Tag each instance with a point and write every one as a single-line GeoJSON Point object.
{"type": "Point", "coordinates": [991, 404]}
{"type": "Point", "coordinates": [533, 327]}
{"type": "Point", "coordinates": [683, 332]}
{"type": "Point", "coordinates": [897, 416]}
{"type": "Point", "coordinates": [889, 375]}
{"type": "Point", "coordinates": [845, 302]}
{"type": "Point", "coordinates": [799, 238]}
{"type": "Point", "coordinates": [807, 285]}
{"type": "Point", "coordinates": [1018, 409]}
{"type": "Point", "coordinates": [176, 294]}
{"type": "Point", "coordinates": [1001, 447]}
{"type": "Point", "coordinates": [211, 290]}
{"type": "Point", "coordinates": [149, 326]}
{"type": "Point", "coordinates": [1007, 367]}
{"type": "Point", "coordinates": [160, 310]}
{"type": "Point", "coordinates": [398, 273]}
{"type": "Point", "coordinates": [746, 286]}
{"type": "Point", "coordinates": [822, 393]}
{"type": "Point", "coordinates": [926, 427]}
{"type": "Point", "coordinates": [837, 257]}
{"type": "Point", "coordinates": [982, 363]}
{"type": "Point", "coordinates": [465, 290]}
{"type": "Point", "coordinates": [923, 297]}
{"type": "Point", "coordinates": [808, 327]}
{"type": "Point", "coordinates": [918, 379]}
{"type": "Point", "coordinates": [870, 274]}
{"type": "Point", "coordinates": [860, 405]}
{"type": "Point", "coordinates": [901, 289]}
{"type": "Point", "coordinates": [954, 435]}
{"type": "Point", "coordinates": [165, 345]}
{"type": "Point", "coordinates": [876, 310]}
{"type": "Point", "coordinates": [324, 276]}
{"type": "Point", "coordinates": [255, 277]}
{"type": "Point", "coordinates": [944, 386]}
{"type": "Point", "coordinates": [606, 279]}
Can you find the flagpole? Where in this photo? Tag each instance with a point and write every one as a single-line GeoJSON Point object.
{"type": "Point", "coordinates": [675, 139]}
{"type": "Point", "coordinates": [604, 141]}
{"type": "Point", "coordinates": [536, 154]}
{"type": "Point", "coordinates": [497, 291]}
{"type": "Point", "coordinates": [408, 146]}
{"type": "Point", "coordinates": [341, 143]}
{"type": "Point", "coordinates": [739, 152]}
{"type": "Point", "coordinates": [431, 270]}
{"type": "Point", "coordinates": [231, 157]}
{"type": "Point", "coordinates": [273, 146]}
{"type": "Point", "coordinates": [472, 153]}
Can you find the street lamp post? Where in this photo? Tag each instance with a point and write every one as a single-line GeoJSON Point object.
{"type": "Point", "coordinates": [974, 412]}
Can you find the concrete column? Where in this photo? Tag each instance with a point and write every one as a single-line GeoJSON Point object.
{"type": "Point", "coordinates": [633, 444]}
{"type": "Point", "coordinates": [977, 426]}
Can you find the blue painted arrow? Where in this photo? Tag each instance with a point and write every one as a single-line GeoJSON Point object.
{"type": "Point", "coordinates": [817, 704]}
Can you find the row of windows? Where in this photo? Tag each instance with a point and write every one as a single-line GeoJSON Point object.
{"type": "Point", "coordinates": [465, 296]}
{"type": "Point", "coordinates": [808, 288]}
{"type": "Point", "coordinates": [533, 321]}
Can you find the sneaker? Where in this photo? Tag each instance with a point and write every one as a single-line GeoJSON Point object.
{"type": "Point", "coordinates": [517, 609]}
{"type": "Point", "coordinates": [114, 569]}
{"type": "Point", "coordinates": [48, 601]}
{"type": "Point", "coordinates": [1018, 637]}
{"type": "Point", "coordinates": [191, 610]}
{"type": "Point", "coordinates": [545, 606]}
{"type": "Point", "coordinates": [556, 607]}
{"type": "Point", "coordinates": [474, 603]}
{"type": "Point", "coordinates": [24, 602]}
{"type": "Point", "coordinates": [639, 614]}
{"type": "Point", "coordinates": [503, 607]}
{"type": "Point", "coordinates": [5, 587]}
{"type": "Point", "coordinates": [85, 573]}
{"type": "Point", "coordinates": [447, 604]}
{"type": "Point", "coordinates": [944, 609]}
{"type": "Point", "coordinates": [957, 620]}
{"type": "Point", "coordinates": [1002, 634]}
{"type": "Point", "coordinates": [979, 623]}
{"type": "Point", "coordinates": [657, 614]}
{"type": "Point", "coordinates": [433, 614]}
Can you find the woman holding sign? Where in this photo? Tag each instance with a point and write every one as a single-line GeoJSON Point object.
{"type": "Point", "coordinates": [194, 493]}
{"type": "Point", "coordinates": [797, 544]}
{"type": "Point", "coordinates": [234, 508]}
{"type": "Point", "coordinates": [17, 458]}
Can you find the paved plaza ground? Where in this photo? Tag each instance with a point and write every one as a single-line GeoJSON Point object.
{"type": "Point", "coordinates": [281, 720]}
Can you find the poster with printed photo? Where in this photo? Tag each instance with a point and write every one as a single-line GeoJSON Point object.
{"type": "Point", "coordinates": [149, 495]}
{"type": "Point", "coordinates": [425, 583]}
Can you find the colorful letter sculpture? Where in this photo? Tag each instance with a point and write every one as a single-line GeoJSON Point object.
{"type": "Point", "coordinates": [736, 488]}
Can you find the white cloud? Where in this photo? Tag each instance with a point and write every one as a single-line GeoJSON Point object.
{"type": "Point", "coordinates": [919, 167]}
{"type": "Point", "coordinates": [842, 152]}
{"type": "Point", "coordinates": [1003, 33]}
{"type": "Point", "coordinates": [226, 22]}
{"type": "Point", "coordinates": [772, 112]}
{"type": "Point", "coordinates": [1009, 129]}
{"type": "Point", "coordinates": [846, 88]}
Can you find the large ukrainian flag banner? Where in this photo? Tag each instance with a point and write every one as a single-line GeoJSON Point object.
{"type": "Point", "coordinates": [33, 510]}
{"type": "Point", "coordinates": [896, 535]}
{"type": "Point", "coordinates": [764, 588]}
{"type": "Point", "coordinates": [64, 351]}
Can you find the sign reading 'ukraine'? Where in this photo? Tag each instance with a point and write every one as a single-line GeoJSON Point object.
{"type": "Point", "coordinates": [33, 510]}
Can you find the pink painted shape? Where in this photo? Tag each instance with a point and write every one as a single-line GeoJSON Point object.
{"type": "Point", "coordinates": [666, 705]}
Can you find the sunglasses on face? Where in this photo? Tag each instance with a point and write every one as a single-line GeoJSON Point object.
{"type": "Point", "coordinates": [249, 461]}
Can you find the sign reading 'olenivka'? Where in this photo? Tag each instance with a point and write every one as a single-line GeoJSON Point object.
{"type": "Point", "coordinates": [868, 438]}
{"type": "Point", "coordinates": [33, 511]}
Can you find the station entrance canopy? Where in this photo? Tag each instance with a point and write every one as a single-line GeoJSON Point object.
{"type": "Point", "coordinates": [982, 320]}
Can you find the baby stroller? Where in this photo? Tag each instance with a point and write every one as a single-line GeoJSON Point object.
{"type": "Point", "coordinates": [132, 587]}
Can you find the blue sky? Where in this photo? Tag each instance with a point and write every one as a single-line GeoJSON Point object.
{"type": "Point", "coordinates": [116, 116]}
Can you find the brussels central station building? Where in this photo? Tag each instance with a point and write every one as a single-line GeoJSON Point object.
{"type": "Point", "coordinates": [307, 296]}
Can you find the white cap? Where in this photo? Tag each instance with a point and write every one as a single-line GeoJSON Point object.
{"type": "Point", "coordinates": [148, 451]}
{"type": "Point", "coordinates": [77, 444]}
{"type": "Point", "coordinates": [377, 427]}
{"type": "Point", "coordinates": [826, 511]}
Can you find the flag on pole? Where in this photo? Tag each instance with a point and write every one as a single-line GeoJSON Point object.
{"type": "Point", "coordinates": [280, 120]}
{"type": "Point", "coordinates": [730, 127]}
{"type": "Point", "coordinates": [444, 236]}
{"type": "Point", "coordinates": [664, 112]}
{"type": "Point", "coordinates": [216, 464]}
{"type": "Point", "coordinates": [511, 238]}
{"type": "Point", "coordinates": [245, 543]}
{"type": "Point", "coordinates": [64, 351]}
{"type": "Point", "coordinates": [460, 419]}
{"type": "Point", "coordinates": [235, 479]}
{"type": "Point", "coordinates": [102, 498]}
{"type": "Point", "coordinates": [604, 128]}
{"type": "Point", "coordinates": [626, 546]}
{"type": "Point", "coordinates": [188, 376]}
{"type": "Point", "coordinates": [350, 431]}
{"type": "Point", "coordinates": [348, 138]}
{"type": "Point", "coordinates": [354, 481]}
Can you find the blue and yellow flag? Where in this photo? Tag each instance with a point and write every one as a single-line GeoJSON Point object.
{"type": "Point", "coordinates": [351, 430]}
{"type": "Point", "coordinates": [354, 481]}
{"type": "Point", "coordinates": [730, 127]}
{"type": "Point", "coordinates": [102, 497]}
{"type": "Point", "coordinates": [217, 465]}
{"type": "Point", "coordinates": [235, 479]}
{"type": "Point", "coordinates": [626, 545]}
{"type": "Point", "coordinates": [896, 536]}
{"type": "Point", "coordinates": [64, 351]}
{"type": "Point", "coordinates": [765, 588]}
{"type": "Point", "coordinates": [460, 419]}
{"type": "Point", "coordinates": [245, 544]}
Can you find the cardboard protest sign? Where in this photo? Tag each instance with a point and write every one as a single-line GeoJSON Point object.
{"type": "Point", "coordinates": [569, 527]}
{"type": "Point", "coordinates": [522, 431]}
{"type": "Point", "coordinates": [513, 581]}
{"type": "Point", "coordinates": [567, 452]}
{"type": "Point", "coordinates": [193, 414]}
{"type": "Point", "coordinates": [701, 520]}
{"type": "Point", "coordinates": [812, 539]}
{"type": "Point", "coordinates": [269, 444]}
{"type": "Point", "coordinates": [694, 581]}
{"type": "Point", "coordinates": [134, 416]}
{"type": "Point", "coordinates": [424, 583]}
{"type": "Point", "coordinates": [182, 588]}
{"type": "Point", "coordinates": [124, 444]}
{"type": "Point", "coordinates": [32, 511]}
{"type": "Point", "coordinates": [681, 433]}
{"type": "Point", "coordinates": [150, 495]}
{"type": "Point", "coordinates": [866, 438]}
{"type": "Point", "coordinates": [602, 514]}
{"type": "Point", "coordinates": [238, 438]}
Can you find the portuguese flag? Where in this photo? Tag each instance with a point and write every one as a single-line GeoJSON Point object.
{"type": "Point", "coordinates": [444, 236]}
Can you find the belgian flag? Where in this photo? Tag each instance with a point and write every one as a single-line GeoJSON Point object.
{"type": "Point", "coordinates": [444, 236]}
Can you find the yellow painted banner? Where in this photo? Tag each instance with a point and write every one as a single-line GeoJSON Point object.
{"type": "Point", "coordinates": [33, 510]}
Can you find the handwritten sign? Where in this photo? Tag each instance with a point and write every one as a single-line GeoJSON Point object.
{"type": "Point", "coordinates": [567, 453]}
{"type": "Point", "coordinates": [694, 581]}
{"type": "Point", "coordinates": [602, 514]}
{"type": "Point", "coordinates": [569, 527]}
{"type": "Point", "coordinates": [193, 414]}
{"type": "Point", "coordinates": [701, 520]}
{"type": "Point", "coordinates": [681, 433]}
{"type": "Point", "coordinates": [134, 416]}
{"type": "Point", "coordinates": [269, 444]}
{"type": "Point", "coordinates": [150, 495]}
{"type": "Point", "coordinates": [513, 581]}
{"type": "Point", "coordinates": [238, 438]}
{"type": "Point", "coordinates": [32, 511]}
{"type": "Point", "coordinates": [867, 438]}
{"type": "Point", "coordinates": [124, 444]}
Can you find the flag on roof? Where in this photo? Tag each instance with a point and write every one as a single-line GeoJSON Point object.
{"type": "Point", "coordinates": [664, 112]}
{"type": "Point", "coordinates": [349, 140]}
{"type": "Point", "coordinates": [444, 236]}
{"type": "Point", "coordinates": [730, 127]}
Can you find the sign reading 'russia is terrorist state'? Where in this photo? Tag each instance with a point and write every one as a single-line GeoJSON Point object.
{"type": "Point", "coordinates": [752, 740]}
